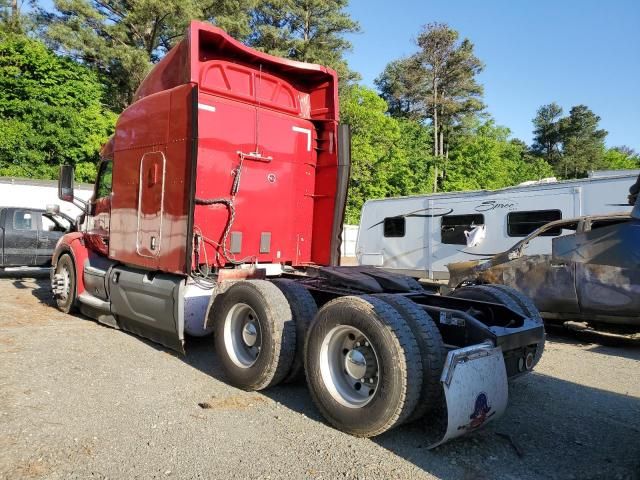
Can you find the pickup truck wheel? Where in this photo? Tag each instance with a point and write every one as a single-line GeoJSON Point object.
{"type": "Point", "coordinates": [363, 365]}
{"type": "Point", "coordinates": [527, 308]}
{"type": "Point", "coordinates": [488, 293]}
{"type": "Point", "coordinates": [255, 336]}
{"type": "Point", "coordinates": [432, 352]}
{"type": "Point", "coordinates": [63, 284]}
{"type": "Point", "coordinates": [303, 308]}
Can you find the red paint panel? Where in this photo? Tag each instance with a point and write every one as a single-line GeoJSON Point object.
{"type": "Point", "coordinates": [73, 243]}
{"type": "Point", "coordinates": [97, 231]}
{"type": "Point", "coordinates": [274, 196]}
{"type": "Point", "coordinates": [252, 102]}
{"type": "Point", "coordinates": [248, 84]}
{"type": "Point", "coordinates": [151, 172]}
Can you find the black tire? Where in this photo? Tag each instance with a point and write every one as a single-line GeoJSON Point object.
{"type": "Point", "coordinates": [272, 315]}
{"type": "Point", "coordinates": [485, 293]}
{"type": "Point", "coordinates": [432, 352]}
{"type": "Point", "coordinates": [303, 308]}
{"type": "Point", "coordinates": [397, 357]}
{"type": "Point", "coordinates": [527, 308]}
{"type": "Point", "coordinates": [66, 303]}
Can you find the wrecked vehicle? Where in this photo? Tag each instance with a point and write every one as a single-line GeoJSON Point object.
{"type": "Point", "coordinates": [590, 280]}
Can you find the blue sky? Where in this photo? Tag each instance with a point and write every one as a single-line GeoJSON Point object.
{"type": "Point", "coordinates": [535, 52]}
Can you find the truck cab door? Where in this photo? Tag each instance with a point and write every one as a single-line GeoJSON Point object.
{"type": "Point", "coordinates": [20, 237]}
{"type": "Point", "coordinates": [548, 279]}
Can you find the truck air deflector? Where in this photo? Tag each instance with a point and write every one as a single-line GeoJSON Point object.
{"type": "Point", "coordinates": [342, 187]}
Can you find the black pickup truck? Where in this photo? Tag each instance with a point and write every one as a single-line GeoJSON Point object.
{"type": "Point", "coordinates": [29, 235]}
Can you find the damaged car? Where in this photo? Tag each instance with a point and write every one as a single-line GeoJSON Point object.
{"type": "Point", "coordinates": [589, 280]}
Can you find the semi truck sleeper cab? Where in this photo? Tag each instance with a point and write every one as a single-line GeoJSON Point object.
{"type": "Point", "coordinates": [218, 209]}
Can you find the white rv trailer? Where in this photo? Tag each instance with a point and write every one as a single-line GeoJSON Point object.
{"type": "Point", "coordinates": [420, 235]}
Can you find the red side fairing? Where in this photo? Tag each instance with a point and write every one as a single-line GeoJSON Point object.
{"type": "Point", "coordinates": [151, 172]}
{"type": "Point", "coordinates": [250, 103]}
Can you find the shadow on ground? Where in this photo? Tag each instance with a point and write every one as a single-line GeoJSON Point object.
{"type": "Point", "coordinates": [594, 343]}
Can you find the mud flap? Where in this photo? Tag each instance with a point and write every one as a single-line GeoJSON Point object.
{"type": "Point", "coordinates": [474, 380]}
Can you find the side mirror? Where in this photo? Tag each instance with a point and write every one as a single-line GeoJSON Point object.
{"type": "Point", "coordinates": [53, 209]}
{"type": "Point", "coordinates": [65, 183]}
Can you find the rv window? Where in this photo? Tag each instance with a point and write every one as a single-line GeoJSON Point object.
{"type": "Point", "coordinates": [394, 226]}
{"type": "Point", "coordinates": [521, 224]}
{"type": "Point", "coordinates": [453, 227]}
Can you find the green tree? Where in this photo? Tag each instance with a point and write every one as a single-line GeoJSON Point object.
{"type": "Point", "coordinates": [436, 83]}
{"type": "Point", "coordinates": [122, 39]}
{"type": "Point", "coordinates": [485, 158]}
{"type": "Point", "coordinates": [51, 111]}
{"type": "Point", "coordinates": [373, 137]}
{"type": "Point", "coordinates": [620, 158]}
{"type": "Point", "coordinates": [10, 18]}
{"type": "Point", "coordinates": [402, 86]}
{"type": "Point", "coordinates": [582, 143]}
{"type": "Point", "coordinates": [547, 137]}
{"type": "Point", "coordinates": [309, 31]}
{"type": "Point", "coordinates": [390, 157]}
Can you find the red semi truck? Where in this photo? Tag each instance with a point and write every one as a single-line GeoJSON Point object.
{"type": "Point", "coordinates": [218, 207]}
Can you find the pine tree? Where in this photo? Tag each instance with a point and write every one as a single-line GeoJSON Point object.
{"type": "Point", "coordinates": [308, 31]}
{"type": "Point", "coordinates": [547, 138]}
{"type": "Point", "coordinates": [436, 83]}
{"type": "Point", "coordinates": [122, 39]}
{"type": "Point", "coordinates": [583, 143]}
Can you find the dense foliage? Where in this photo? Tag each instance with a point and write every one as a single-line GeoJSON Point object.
{"type": "Point", "coordinates": [388, 154]}
{"type": "Point", "coordinates": [66, 73]}
{"type": "Point", "coordinates": [50, 111]}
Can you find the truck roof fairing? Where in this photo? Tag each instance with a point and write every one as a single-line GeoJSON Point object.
{"type": "Point", "coordinates": [204, 42]}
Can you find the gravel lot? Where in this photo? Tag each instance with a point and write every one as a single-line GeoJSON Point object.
{"type": "Point", "coordinates": [80, 400]}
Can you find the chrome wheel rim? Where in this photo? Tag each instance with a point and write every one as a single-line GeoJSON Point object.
{"type": "Point", "coordinates": [62, 283]}
{"type": "Point", "coordinates": [349, 366]}
{"type": "Point", "coordinates": [242, 335]}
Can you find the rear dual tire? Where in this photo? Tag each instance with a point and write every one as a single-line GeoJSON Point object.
{"type": "Point", "coordinates": [432, 353]}
{"type": "Point", "coordinates": [303, 310]}
{"type": "Point", "coordinates": [363, 335]}
{"type": "Point", "coordinates": [365, 356]}
{"type": "Point", "coordinates": [510, 298]}
{"type": "Point", "coordinates": [255, 334]}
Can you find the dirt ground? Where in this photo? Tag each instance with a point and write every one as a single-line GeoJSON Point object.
{"type": "Point", "coordinates": [80, 400]}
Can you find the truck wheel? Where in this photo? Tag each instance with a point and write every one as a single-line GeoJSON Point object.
{"type": "Point", "coordinates": [363, 365]}
{"type": "Point", "coordinates": [255, 336]}
{"type": "Point", "coordinates": [63, 284]}
{"type": "Point", "coordinates": [303, 308]}
{"type": "Point", "coordinates": [527, 308]}
{"type": "Point", "coordinates": [432, 352]}
{"type": "Point", "coordinates": [485, 293]}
